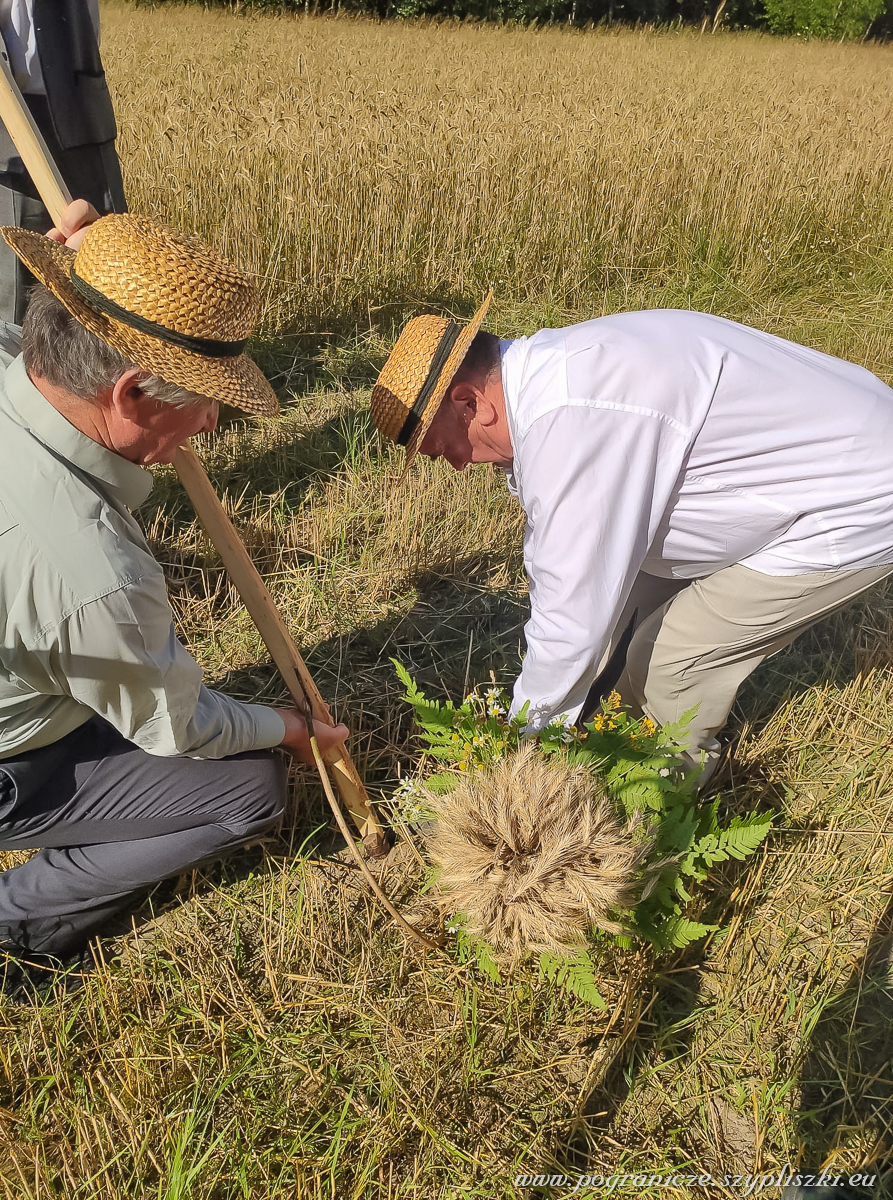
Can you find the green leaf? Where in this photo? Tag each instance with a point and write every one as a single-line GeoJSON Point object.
{"type": "Point", "coordinates": [474, 950]}
{"type": "Point", "coordinates": [679, 932]}
{"type": "Point", "coordinates": [407, 680]}
{"type": "Point", "coordinates": [677, 731]}
{"type": "Point", "coordinates": [575, 975]}
{"type": "Point", "coordinates": [744, 834]}
{"type": "Point", "coordinates": [677, 831]}
{"type": "Point", "coordinates": [486, 963]}
{"type": "Point", "coordinates": [442, 782]}
{"type": "Point", "coordinates": [663, 895]}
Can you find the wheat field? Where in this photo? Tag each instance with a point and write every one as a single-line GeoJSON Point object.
{"type": "Point", "coordinates": [270, 1034]}
{"type": "Point", "coordinates": [360, 169]}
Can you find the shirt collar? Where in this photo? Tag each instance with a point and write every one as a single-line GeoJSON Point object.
{"type": "Point", "coordinates": [130, 484]}
{"type": "Point", "coordinates": [507, 392]}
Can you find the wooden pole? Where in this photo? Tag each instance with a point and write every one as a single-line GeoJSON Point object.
{"type": "Point", "coordinates": [28, 140]}
{"type": "Point", "coordinates": [272, 628]}
{"type": "Point", "coordinates": [246, 579]}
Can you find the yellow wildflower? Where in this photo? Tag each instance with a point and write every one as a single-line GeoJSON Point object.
{"type": "Point", "coordinates": [648, 726]}
{"type": "Point", "coordinates": [613, 700]}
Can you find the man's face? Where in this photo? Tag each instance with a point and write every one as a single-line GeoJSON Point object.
{"type": "Point", "coordinates": [447, 435]}
{"type": "Point", "coordinates": [470, 426]}
{"type": "Point", "coordinates": [160, 428]}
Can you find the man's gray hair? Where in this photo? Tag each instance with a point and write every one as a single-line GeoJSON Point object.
{"type": "Point", "coordinates": [57, 347]}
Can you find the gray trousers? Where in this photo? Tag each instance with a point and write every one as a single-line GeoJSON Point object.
{"type": "Point", "coordinates": [696, 641]}
{"type": "Point", "coordinates": [113, 820]}
{"type": "Point", "coordinates": [90, 172]}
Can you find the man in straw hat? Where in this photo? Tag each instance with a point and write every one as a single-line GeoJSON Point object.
{"type": "Point", "coordinates": [114, 758]}
{"type": "Point", "coordinates": [722, 487]}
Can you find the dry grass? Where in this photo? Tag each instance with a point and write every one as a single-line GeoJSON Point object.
{"type": "Point", "coordinates": [277, 1038]}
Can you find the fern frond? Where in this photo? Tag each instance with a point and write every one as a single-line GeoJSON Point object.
{"type": "Point", "coordinates": [476, 951]}
{"type": "Point", "coordinates": [575, 975]}
{"type": "Point", "coordinates": [442, 782]}
{"type": "Point", "coordinates": [678, 831]}
{"type": "Point", "coordinates": [744, 834]}
{"type": "Point", "coordinates": [486, 963]}
{"type": "Point", "coordinates": [679, 932]}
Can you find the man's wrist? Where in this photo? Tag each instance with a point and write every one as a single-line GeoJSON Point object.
{"type": "Point", "coordinates": [295, 725]}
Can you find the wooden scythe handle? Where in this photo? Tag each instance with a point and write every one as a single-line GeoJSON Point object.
{"type": "Point", "coordinates": [255, 595]}
{"type": "Point", "coordinates": [28, 140]}
{"type": "Point", "coordinates": [272, 628]}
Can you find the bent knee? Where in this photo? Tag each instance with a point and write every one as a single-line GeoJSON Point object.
{"type": "Point", "coordinates": [262, 796]}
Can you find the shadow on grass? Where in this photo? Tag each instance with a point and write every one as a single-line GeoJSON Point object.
{"type": "Point", "coordinates": [286, 470]}
{"type": "Point", "coordinates": [348, 350]}
{"type": "Point", "coordinates": [668, 1017]}
{"type": "Point", "coordinates": [456, 634]}
{"type": "Point", "coordinates": [847, 1080]}
{"type": "Point", "coordinates": [847, 1076]}
{"type": "Point", "coordinates": [459, 632]}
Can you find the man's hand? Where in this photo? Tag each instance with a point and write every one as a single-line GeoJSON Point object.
{"type": "Point", "coordinates": [75, 222]}
{"type": "Point", "coordinates": [297, 739]}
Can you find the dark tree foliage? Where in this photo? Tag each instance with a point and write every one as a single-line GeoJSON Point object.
{"type": "Point", "coordinates": [804, 18]}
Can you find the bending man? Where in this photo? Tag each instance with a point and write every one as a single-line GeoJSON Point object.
{"type": "Point", "coordinates": [726, 487]}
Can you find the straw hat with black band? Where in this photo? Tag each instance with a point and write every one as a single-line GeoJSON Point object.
{"type": "Point", "coordinates": [418, 372]}
{"type": "Point", "coordinates": [172, 305]}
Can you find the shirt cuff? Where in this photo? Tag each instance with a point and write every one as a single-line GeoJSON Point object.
{"type": "Point", "coordinates": [270, 726]}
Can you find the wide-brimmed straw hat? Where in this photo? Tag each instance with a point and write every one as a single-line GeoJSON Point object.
{"type": "Point", "coordinates": [418, 372]}
{"type": "Point", "coordinates": [169, 303]}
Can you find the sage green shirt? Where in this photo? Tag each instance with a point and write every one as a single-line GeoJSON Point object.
{"type": "Point", "coordinates": [86, 624]}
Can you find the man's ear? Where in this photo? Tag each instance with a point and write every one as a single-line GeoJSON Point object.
{"type": "Point", "coordinates": [463, 392]}
{"type": "Point", "coordinates": [475, 398]}
{"type": "Point", "coordinates": [128, 398]}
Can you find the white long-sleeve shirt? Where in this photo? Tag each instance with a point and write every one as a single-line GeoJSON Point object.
{"type": "Point", "coordinates": [677, 443]}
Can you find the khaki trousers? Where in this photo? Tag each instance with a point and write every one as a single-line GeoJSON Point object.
{"type": "Point", "coordinates": [696, 641]}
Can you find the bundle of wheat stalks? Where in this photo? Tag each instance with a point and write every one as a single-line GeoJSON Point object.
{"type": "Point", "coordinates": [531, 851]}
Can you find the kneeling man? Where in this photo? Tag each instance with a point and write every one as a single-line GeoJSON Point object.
{"type": "Point", "coordinates": [722, 487]}
{"type": "Point", "coordinates": [114, 758]}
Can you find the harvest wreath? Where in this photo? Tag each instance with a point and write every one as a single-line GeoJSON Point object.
{"type": "Point", "coordinates": [543, 846]}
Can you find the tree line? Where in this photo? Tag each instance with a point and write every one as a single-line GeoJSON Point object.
{"type": "Point", "coordinates": [831, 19]}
